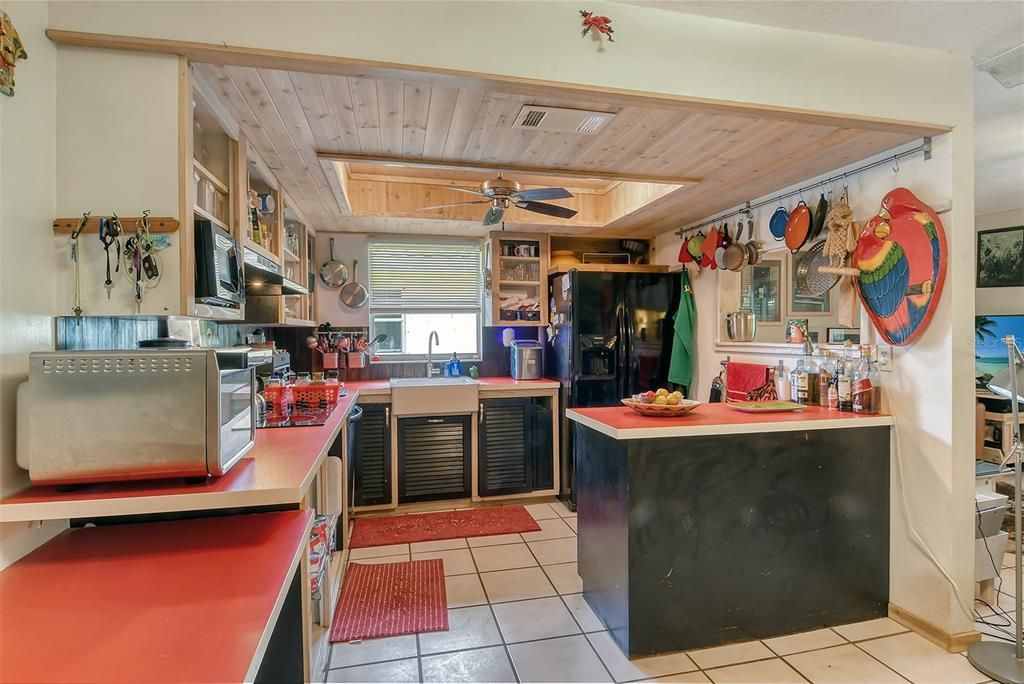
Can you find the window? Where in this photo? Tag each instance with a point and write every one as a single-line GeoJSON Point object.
{"type": "Point", "coordinates": [419, 287]}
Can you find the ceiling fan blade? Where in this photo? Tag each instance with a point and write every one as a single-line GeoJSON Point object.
{"type": "Point", "coordinates": [493, 215]}
{"type": "Point", "coordinates": [457, 204]}
{"type": "Point", "coordinates": [471, 191]}
{"type": "Point", "coordinates": [547, 209]}
{"type": "Point", "coordinates": [541, 194]}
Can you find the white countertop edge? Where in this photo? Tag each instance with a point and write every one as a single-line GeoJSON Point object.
{"type": "Point", "coordinates": [540, 386]}
{"type": "Point", "coordinates": [268, 630]}
{"type": "Point", "coordinates": [731, 429]}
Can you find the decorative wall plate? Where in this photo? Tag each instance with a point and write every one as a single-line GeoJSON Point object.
{"type": "Point", "coordinates": [901, 255]}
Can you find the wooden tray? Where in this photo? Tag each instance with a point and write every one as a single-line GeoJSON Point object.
{"type": "Point", "coordinates": [662, 410]}
{"type": "Point", "coordinates": [765, 406]}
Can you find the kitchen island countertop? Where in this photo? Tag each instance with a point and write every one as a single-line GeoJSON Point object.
{"type": "Point", "coordinates": [370, 388]}
{"type": "Point", "coordinates": [621, 422]}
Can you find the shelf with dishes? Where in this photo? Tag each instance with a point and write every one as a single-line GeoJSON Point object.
{"type": "Point", "coordinates": [517, 292]}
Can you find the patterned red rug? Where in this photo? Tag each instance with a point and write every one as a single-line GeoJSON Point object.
{"type": "Point", "coordinates": [390, 599]}
{"type": "Point", "coordinates": [417, 527]}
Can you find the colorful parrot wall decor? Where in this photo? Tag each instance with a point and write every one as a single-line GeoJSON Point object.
{"type": "Point", "coordinates": [901, 255]}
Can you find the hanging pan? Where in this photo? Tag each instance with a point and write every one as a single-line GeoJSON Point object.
{"type": "Point", "coordinates": [798, 227]}
{"type": "Point", "coordinates": [820, 212]}
{"type": "Point", "coordinates": [777, 223]}
{"type": "Point", "coordinates": [333, 273]}
{"type": "Point", "coordinates": [808, 278]}
{"type": "Point", "coordinates": [354, 294]}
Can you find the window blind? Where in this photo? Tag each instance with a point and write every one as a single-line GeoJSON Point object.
{"type": "Point", "coordinates": [424, 276]}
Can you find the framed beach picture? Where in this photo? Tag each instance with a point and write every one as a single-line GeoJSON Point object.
{"type": "Point", "coordinates": [990, 353]}
{"type": "Point", "coordinates": [1001, 257]}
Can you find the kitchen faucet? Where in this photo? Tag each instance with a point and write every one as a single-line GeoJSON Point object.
{"type": "Point", "coordinates": [431, 341]}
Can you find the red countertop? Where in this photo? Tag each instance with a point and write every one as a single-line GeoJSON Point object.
{"type": "Point", "coordinates": [181, 601]}
{"type": "Point", "coordinates": [277, 470]}
{"type": "Point", "coordinates": [621, 422]}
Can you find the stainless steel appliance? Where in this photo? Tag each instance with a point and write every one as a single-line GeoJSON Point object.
{"type": "Point", "coordinates": [741, 326]}
{"type": "Point", "coordinates": [218, 266]}
{"type": "Point", "coordinates": [265, 277]}
{"type": "Point", "coordinates": [95, 416]}
{"type": "Point", "coordinates": [527, 361]}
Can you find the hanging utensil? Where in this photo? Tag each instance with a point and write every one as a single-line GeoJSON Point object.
{"type": "Point", "coordinates": [354, 294]}
{"type": "Point", "coordinates": [710, 247]}
{"type": "Point", "coordinates": [684, 252]}
{"type": "Point", "coordinates": [333, 273]}
{"type": "Point", "coordinates": [808, 278]}
{"type": "Point", "coordinates": [820, 212]}
{"type": "Point", "coordinates": [777, 223]}
{"type": "Point", "coordinates": [798, 227]}
{"type": "Point", "coordinates": [724, 240]}
{"type": "Point", "coordinates": [754, 253]}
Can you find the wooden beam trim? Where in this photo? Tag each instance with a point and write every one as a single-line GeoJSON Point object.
{"type": "Point", "coordinates": [505, 168]}
{"type": "Point", "coordinates": [360, 68]}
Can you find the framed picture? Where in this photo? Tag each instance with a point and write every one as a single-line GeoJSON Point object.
{"type": "Point", "coordinates": [1001, 257]}
{"type": "Point", "coordinates": [840, 335]}
{"type": "Point", "coordinates": [797, 330]}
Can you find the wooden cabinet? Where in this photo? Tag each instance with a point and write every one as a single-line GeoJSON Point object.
{"type": "Point", "coordinates": [516, 266]}
{"type": "Point", "coordinates": [371, 462]}
{"type": "Point", "coordinates": [514, 446]}
{"type": "Point", "coordinates": [434, 458]}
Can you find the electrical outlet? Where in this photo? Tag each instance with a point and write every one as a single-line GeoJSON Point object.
{"type": "Point", "coordinates": [885, 357]}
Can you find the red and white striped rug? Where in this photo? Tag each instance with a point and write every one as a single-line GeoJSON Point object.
{"type": "Point", "coordinates": [389, 599]}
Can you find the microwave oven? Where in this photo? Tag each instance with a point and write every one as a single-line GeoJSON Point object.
{"type": "Point", "coordinates": [219, 265]}
{"type": "Point", "coordinates": [99, 416]}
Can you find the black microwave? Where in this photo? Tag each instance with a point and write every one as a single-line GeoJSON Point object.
{"type": "Point", "coordinates": [219, 264]}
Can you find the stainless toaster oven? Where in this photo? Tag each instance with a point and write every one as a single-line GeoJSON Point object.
{"type": "Point", "coordinates": [95, 416]}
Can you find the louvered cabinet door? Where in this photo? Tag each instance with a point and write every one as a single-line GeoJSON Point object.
{"type": "Point", "coordinates": [433, 458]}
{"type": "Point", "coordinates": [371, 462]}
{"type": "Point", "coordinates": [506, 462]}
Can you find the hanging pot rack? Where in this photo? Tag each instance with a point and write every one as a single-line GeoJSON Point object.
{"type": "Point", "coordinates": [747, 209]}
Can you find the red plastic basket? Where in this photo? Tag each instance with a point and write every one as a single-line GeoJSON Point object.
{"type": "Point", "coordinates": [280, 400]}
{"type": "Point", "coordinates": [316, 396]}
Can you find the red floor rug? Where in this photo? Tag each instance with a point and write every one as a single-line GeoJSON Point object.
{"type": "Point", "coordinates": [390, 599]}
{"type": "Point", "coordinates": [417, 527]}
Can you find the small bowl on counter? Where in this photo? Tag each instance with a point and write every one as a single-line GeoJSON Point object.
{"type": "Point", "coordinates": [661, 410]}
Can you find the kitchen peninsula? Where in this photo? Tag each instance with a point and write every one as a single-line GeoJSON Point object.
{"type": "Point", "coordinates": [722, 526]}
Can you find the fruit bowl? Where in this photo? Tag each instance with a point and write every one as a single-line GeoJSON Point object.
{"type": "Point", "coordinates": [661, 410]}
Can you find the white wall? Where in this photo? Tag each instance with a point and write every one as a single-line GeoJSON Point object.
{"type": "Point", "coordinates": [27, 205]}
{"type": "Point", "coordinates": [329, 309]}
{"type": "Point", "coordinates": [1000, 300]}
{"type": "Point", "coordinates": [923, 392]}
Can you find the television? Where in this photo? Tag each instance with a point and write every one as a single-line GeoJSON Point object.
{"type": "Point", "coordinates": [990, 355]}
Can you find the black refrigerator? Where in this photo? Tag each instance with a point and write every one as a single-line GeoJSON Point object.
{"type": "Point", "coordinates": [611, 338]}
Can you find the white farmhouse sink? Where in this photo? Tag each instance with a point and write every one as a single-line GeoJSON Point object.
{"type": "Point", "coordinates": [433, 396]}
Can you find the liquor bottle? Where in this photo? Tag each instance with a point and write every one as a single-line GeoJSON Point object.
{"type": "Point", "coordinates": [843, 384]}
{"type": "Point", "coordinates": [865, 386]}
{"type": "Point", "coordinates": [825, 374]}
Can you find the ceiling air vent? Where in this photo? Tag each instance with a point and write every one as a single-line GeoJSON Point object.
{"type": "Point", "coordinates": [562, 120]}
{"type": "Point", "coordinates": [1007, 67]}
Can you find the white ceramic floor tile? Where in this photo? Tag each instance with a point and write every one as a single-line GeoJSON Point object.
{"type": "Point", "coordinates": [550, 528]}
{"type": "Point", "coordinates": [623, 669]}
{"type": "Point", "coordinates": [842, 665]}
{"type": "Point", "coordinates": [383, 559]}
{"type": "Point", "coordinates": [456, 561]}
{"type": "Point", "coordinates": [562, 510]}
{"type": "Point", "coordinates": [495, 540]}
{"type": "Point", "coordinates": [378, 551]}
{"type": "Point", "coordinates": [919, 660]}
{"type": "Point", "coordinates": [516, 585]}
{"type": "Point", "coordinates": [534, 619]}
{"type": "Point", "coordinates": [439, 545]}
{"type": "Point", "coordinates": [687, 678]}
{"type": "Point", "coordinates": [479, 665]}
{"type": "Point", "coordinates": [505, 557]}
{"type": "Point", "coordinates": [553, 551]}
{"type": "Point", "coordinates": [464, 590]}
{"type": "Point", "coordinates": [571, 522]}
{"type": "Point", "coordinates": [467, 628]}
{"type": "Point", "coordinates": [541, 511]}
{"type": "Point", "coordinates": [565, 578]}
{"type": "Point", "coordinates": [730, 654]}
{"type": "Point", "coordinates": [394, 671]}
{"type": "Point", "coordinates": [870, 629]}
{"type": "Point", "coordinates": [584, 614]}
{"type": "Point", "coordinates": [373, 650]}
{"type": "Point", "coordinates": [569, 659]}
{"type": "Point", "coordinates": [804, 641]}
{"type": "Point", "coordinates": [762, 672]}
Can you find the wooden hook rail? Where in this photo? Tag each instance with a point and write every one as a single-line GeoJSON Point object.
{"type": "Point", "coordinates": [157, 224]}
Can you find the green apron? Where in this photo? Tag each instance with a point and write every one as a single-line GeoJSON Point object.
{"type": "Point", "coordinates": [680, 368]}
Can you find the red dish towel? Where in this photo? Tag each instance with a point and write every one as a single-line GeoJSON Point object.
{"type": "Point", "coordinates": [741, 378]}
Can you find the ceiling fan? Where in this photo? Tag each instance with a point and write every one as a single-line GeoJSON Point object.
{"type": "Point", "coordinates": [501, 194]}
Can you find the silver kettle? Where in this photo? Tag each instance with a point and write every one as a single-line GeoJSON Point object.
{"type": "Point", "coordinates": [741, 326]}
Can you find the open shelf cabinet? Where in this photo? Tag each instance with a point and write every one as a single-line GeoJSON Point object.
{"type": "Point", "coordinates": [517, 291]}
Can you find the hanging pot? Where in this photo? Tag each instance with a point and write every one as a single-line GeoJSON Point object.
{"type": "Point", "coordinates": [723, 241]}
{"type": "Point", "coordinates": [777, 223]}
{"type": "Point", "coordinates": [798, 227]}
{"type": "Point", "coordinates": [820, 212]}
{"type": "Point", "coordinates": [735, 257]}
{"type": "Point", "coordinates": [754, 253]}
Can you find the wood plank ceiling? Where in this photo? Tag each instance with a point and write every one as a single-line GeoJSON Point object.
{"type": "Point", "coordinates": [290, 117]}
